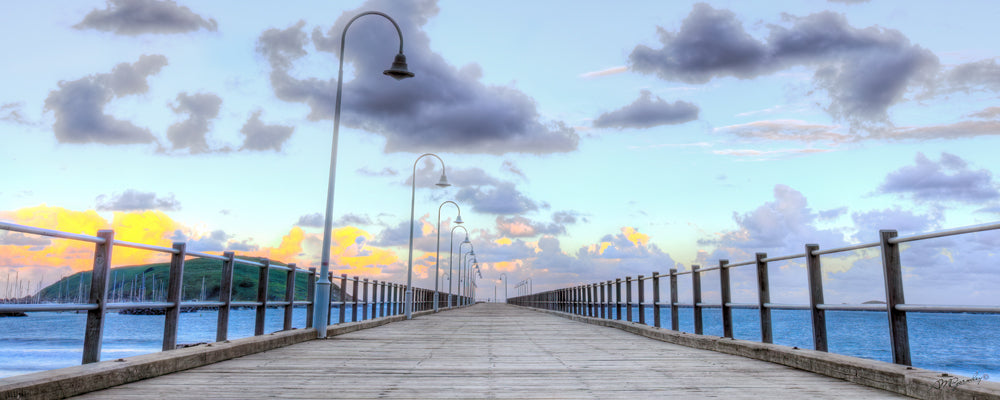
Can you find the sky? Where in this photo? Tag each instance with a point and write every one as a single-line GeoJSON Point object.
{"type": "Point", "coordinates": [584, 140]}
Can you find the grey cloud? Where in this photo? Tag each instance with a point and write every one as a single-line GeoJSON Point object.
{"type": "Point", "coordinates": [384, 172]}
{"type": "Point", "coordinates": [509, 166]}
{"type": "Point", "coordinates": [137, 17]}
{"type": "Point", "coordinates": [11, 112]}
{"type": "Point", "coordinates": [869, 223]}
{"type": "Point", "coordinates": [567, 217]}
{"type": "Point", "coordinates": [989, 112]}
{"type": "Point", "coordinates": [315, 220]}
{"type": "Point", "coordinates": [648, 111]}
{"type": "Point", "coordinates": [864, 71]}
{"type": "Point", "coordinates": [353, 219]}
{"type": "Point", "coordinates": [787, 130]}
{"type": "Point", "coordinates": [443, 109]}
{"type": "Point", "coordinates": [190, 133]}
{"type": "Point", "coordinates": [219, 240]}
{"type": "Point", "coordinates": [984, 74]}
{"type": "Point", "coordinates": [481, 191]}
{"type": "Point", "coordinates": [132, 200]}
{"type": "Point", "coordinates": [832, 214]}
{"type": "Point", "coordinates": [260, 136]}
{"type": "Point", "coordinates": [20, 239]}
{"type": "Point", "coordinates": [951, 179]}
{"type": "Point", "coordinates": [78, 105]}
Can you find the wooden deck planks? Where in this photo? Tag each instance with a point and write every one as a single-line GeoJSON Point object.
{"type": "Point", "coordinates": [489, 351]}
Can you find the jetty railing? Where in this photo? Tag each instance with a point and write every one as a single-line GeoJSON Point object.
{"type": "Point", "coordinates": [601, 298]}
{"type": "Point", "coordinates": [384, 299]}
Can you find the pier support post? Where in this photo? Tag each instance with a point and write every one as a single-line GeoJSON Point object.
{"type": "Point", "coordinates": [174, 286]}
{"type": "Point", "coordinates": [696, 295]}
{"type": "Point", "coordinates": [815, 274]}
{"type": "Point", "coordinates": [892, 271]}
{"type": "Point", "coordinates": [763, 298]}
{"type": "Point", "coordinates": [726, 294]}
{"type": "Point", "coordinates": [656, 299]}
{"type": "Point", "coordinates": [262, 283]}
{"type": "Point", "coordinates": [674, 318]}
{"type": "Point", "coordinates": [98, 295]}
{"type": "Point", "coordinates": [225, 296]}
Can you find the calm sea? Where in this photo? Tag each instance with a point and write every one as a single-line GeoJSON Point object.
{"type": "Point", "coordinates": [963, 344]}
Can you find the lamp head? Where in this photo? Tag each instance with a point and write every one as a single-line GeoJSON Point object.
{"type": "Point", "coordinates": [473, 254]}
{"type": "Point", "coordinates": [459, 219]}
{"type": "Point", "coordinates": [444, 181]}
{"type": "Point", "coordinates": [398, 71]}
{"type": "Point", "coordinates": [466, 241]}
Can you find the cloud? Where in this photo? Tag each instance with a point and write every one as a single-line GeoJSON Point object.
{"type": "Point", "coordinates": [977, 75]}
{"type": "Point", "coordinates": [216, 241]}
{"type": "Point", "coordinates": [137, 17]}
{"type": "Point", "coordinates": [384, 172]}
{"type": "Point", "coordinates": [604, 72]}
{"type": "Point", "coordinates": [480, 191]}
{"type": "Point", "coordinates": [314, 220]}
{"type": "Point", "coordinates": [443, 108]}
{"type": "Point", "coordinates": [134, 200]}
{"type": "Point", "coordinates": [190, 133]}
{"type": "Point", "coordinates": [260, 136]}
{"type": "Point", "coordinates": [317, 220]}
{"type": "Point", "coordinates": [950, 179]}
{"type": "Point", "coordinates": [20, 239]}
{"type": "Point", "coordinates": [11, 112]}
{"type": "Point", "coordinates": [648, 111]}
{"type": "Point", "coordinates": [787, 130]}
{"type": "Point", "coordinates": [518, 226]}
{"type": "Point", "coordinates": [78, 105]}
{"type": "Point", "coordinates": [768, 154]}
{"type": "Point", "coordinates": [989, 112]}
{"type": "Point", "coordinates": [863, 71]}
{"type": "Point", "coordinates": [509, 166]}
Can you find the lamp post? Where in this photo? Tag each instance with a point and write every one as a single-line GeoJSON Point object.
{"type": "Point", "coordinates": [461, 273]}
{"type": "Point", "coordinates": [443, 182]}
{"type": "Point", "coordinates": [465, 274]}
{"type": "Point", "coordinates": [398, 71]}
{"type": "Point", "coordinates": [451, 248]}
{"type": "Point", "coordinates": [437, 257]}
{"type": "Point", "coordinates": [503, 276]}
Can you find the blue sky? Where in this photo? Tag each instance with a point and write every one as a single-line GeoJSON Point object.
{"type": "Point", "coordinates": [585, 140]}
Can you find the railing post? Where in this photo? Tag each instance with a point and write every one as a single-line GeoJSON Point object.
{"type": "Point", "coordinates": [343, 297]}
{"type": "Point", "coordinates": [674, 318]}
{"type": "Point", "coordinates": [374, 299]}
{"type": "Point", "coordinates": [225, 296]}
{"type": "Point", "coordinates": [174, 287]}
{"type": "Point", "coordinates": [763, 298]}
{"type": "Point", "coordinates": [815, 274]}
{"type": "Point", "coordinates": [310, 296]}
{"type": "Point", "coordinates": [381, 301]}
{"type": "Point", "coordinates": [590, 300]}
{"type": "Point", "coordinates": [641, 289]}
{"type": "Point", "coordinates": [618, 299]}
{"type": "Point", "coordinates": [892, 271]}
{"type": "Point", "coordinates": [656, 299]}
{"type": "Point", "coordinates": [262, 283]}
{"type": "Point", "coordinates": [602, 304]}
{"type": "Point", "coordinates": [98, 295]}
{"type": "Point", "coordinates": [628, 298]}
{"type": "Point", "coordinates": [607, 304]}
{"type": "Point", "coordinates": [727, 311]}
{"type": "Point", "coordinates": [364, 296]}
{"type": "Point", "coordinates": [289, 297]}
{"type": "Point", "coordinates": [329, 307]}
{"type": "Point", "coordinates": [696, 295]}
{"type": "Point", "coordinates": [354, 293]}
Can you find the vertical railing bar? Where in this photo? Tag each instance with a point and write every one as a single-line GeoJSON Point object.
{"type": "Point", "coordinates": [674, 318]}
{"type": "Point", "coordinates": [343, 297]}
{"type": "Point", "coordinates": [289, 296]}
{"type": "Point", "coordinates": [892, 272]}
{"type": "Point", "coordinates": [727, 311]}
{"type": "Point", "coordinates": [818, 316]}
{"type": "Point", "coordinates": [354, 293]}
{"type": "Point", "coordinates": [310, 296]}
{"type": "Point", "coordinates": [641, 289]}
{"type": "Point", "coordinates": [262, 286]}
{"type": "Point", "coordinates": [763, 297]}
{"type": "Point", "coordinates": [696, 295]}
{"type": "Point", "coordinates": [602, 305]}
{"type": "Point", "coordinates": [628, 298]}
{"type": "Point", "coordinates": [225, 296]}
{"type": "Point", "coordinates": [174, 286]}
{"type": "Point", "coordinates": [656, 299]}
{"type": "Point", "coordinates": [94, 333]}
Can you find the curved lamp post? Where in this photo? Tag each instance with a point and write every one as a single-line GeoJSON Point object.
{"type": "Point", "coordinates": [437, 257]}
{"type": "Point", "coordinates": [465, 275]}
{"type": "Point", "coordinates": [398, 70]}
{"type": "Point", "coordinates": [443, 182]}
{"type": "Point", "coordinates": [451, 259]}
{"type": "Point", "coordinates": [503, 276]}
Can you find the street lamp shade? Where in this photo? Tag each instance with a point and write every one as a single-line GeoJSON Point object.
{"type": "Point", "coordinates": [459, 219]}
{"type": "Point", "coordinates": [466, 241]}
{"type": "Point", "coordinates": [444, 181]}
{"type": "Point", "coordinates": [473, 254]}
{"type": "Point", "coordinates": [398, 71]}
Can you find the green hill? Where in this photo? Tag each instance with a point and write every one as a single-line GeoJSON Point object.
{"type": "Point", "coordinates": [202, 280]}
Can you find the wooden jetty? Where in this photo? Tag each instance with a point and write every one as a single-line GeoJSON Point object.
{"type": "Point", "coordinates": [490, 351]}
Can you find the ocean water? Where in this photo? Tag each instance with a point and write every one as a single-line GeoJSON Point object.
{"type": "Point", "coordinates": [962, 344]}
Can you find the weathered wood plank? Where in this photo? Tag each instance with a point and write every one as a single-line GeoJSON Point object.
{"type": "Point", "coordinates": [490, 351]}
